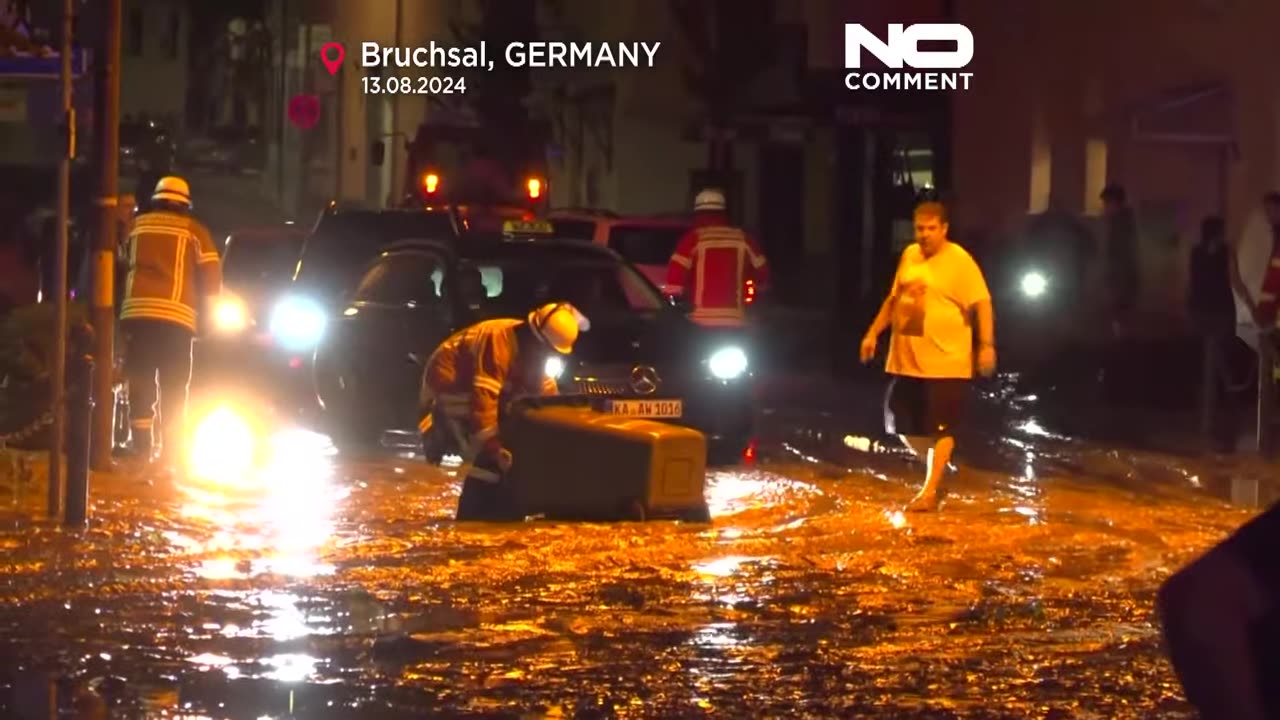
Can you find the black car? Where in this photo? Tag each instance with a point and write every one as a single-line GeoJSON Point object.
{"type": "Point", "coordinates": [257, 266]}
{"type": "Point", "coordinates": [641, 356]}
{"type": "Point", "coordinates": [332, 259]}
{"type": "Point", "coordinates": [345, 240]}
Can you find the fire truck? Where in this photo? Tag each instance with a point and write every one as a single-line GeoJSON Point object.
{"type": "Point", "coordinates": [473, 170]}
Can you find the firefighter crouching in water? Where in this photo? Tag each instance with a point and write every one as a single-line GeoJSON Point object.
{"type": "Point", "coordinates": [712, 264]}
{"type": "Point", "coordinates": [173, 267]}
{"type": "Point", "coordinates": [471, 374]}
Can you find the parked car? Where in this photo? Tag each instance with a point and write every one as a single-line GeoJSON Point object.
{"type": "Point", "coordinates": [647, 242]}
{"type": "Point", "coordinates": [641, 357]}
{"type": "Point", "coordinates": [257, 266]}
{"type": "Point", "coordinates": [228, 150]}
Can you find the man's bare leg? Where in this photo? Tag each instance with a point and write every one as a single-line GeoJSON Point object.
{"type": "Point", "coordinates": [939, 457]}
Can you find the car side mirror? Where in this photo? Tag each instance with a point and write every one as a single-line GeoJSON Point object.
{"type": "Point", "coordinates": [377, 153]}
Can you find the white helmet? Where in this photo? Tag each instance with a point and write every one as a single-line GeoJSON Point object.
{"type": "Point", "coordinates": [173, 189]}
{"type": "Point", "coordinates": [557, 325]}
{"type": "Point", "coordinates": [709, 199]}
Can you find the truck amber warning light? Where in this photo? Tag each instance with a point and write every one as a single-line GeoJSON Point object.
{"type": "Point", "coordinates": [430, 183]}
{"type": "Point", "coordinates": [535, 188]}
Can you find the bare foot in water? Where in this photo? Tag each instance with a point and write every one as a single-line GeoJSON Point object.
{"type": "Point", "coordinates": [924, 502]}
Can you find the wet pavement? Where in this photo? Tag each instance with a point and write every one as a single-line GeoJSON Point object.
{"type": "Point", "coordinates": [344, 589]}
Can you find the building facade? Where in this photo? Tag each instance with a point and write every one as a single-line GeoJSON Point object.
{"type": "Point", "coordinates": [1173, 100]}
{"type": "Point", "coordinates": [154, 55]}
{"type": "Point", "coordinates": [821, 174]}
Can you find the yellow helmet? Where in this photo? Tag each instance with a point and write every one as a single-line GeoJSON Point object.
{"type": "Point", "coordinates": [173, 189]}
{"type": "Point", "coordinates": [557, 325]}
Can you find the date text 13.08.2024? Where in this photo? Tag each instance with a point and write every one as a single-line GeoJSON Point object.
{"type": "Point", "coordinates": [425, 85]}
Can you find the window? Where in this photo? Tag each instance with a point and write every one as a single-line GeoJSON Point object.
{"type": "Point", "coordinates": [250, 259]}
{"type": "Point", "coordinates": [645, 245]}
{"type": "Point", "coordinates": [344, 243]}
{"type": "Point", "coordinates": [597, 287]}
{"type": "Point", "coordinates": [134, 42]}
{"type": "Point", "coordinates": [406, 278]}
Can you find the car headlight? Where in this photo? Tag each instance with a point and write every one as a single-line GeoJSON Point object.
{"type": "Point", "coordinates": [1034, 284]}
{"type": "Point", "coordinates": [230, 315]}
{"type": "Point", "coordinates": [554, 367]}
{"type": "Point", "coordinates": [222, 448]}
{"type": "Point", "coordinates": [297, 323]}
{"type": "Point", "coordinates": [728, 363]}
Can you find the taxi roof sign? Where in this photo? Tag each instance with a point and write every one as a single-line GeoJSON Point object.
{"type": "Point", "coordinates": [527, 227]}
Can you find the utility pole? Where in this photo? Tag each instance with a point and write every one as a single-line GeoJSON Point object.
{"type": "Point", "coordinates": [303, 184]}
{"type": "Point", "coordinates": [59, 376]}
{"type": "Point", "coordinates": [102, 314]}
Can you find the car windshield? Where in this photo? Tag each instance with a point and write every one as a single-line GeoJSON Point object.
{"type": "Point", "coordinates": [645, 244]}
{"type": "Point", "coordinates": [344, 244]}
{"type": "Point", "coordinates": [253, 258]}
{"type": "Point", "coordinates": [600, 286]}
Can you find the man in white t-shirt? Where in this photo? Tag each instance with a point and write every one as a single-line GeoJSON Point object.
{"type": "Point", "coordinates": [938, 298]}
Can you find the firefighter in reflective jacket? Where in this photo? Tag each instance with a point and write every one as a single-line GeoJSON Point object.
{"type": "Point", "coordinates": [173, 268]}
{"type": "Point", "coordinates": [712, 264]}
{"type": "Point", "coordinates": [467, 378]}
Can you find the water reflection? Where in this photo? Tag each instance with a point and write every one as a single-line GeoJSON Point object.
{"type": "Point", "coordinates": [811, 594]}
{"type": "Point", "coordinates": [276, 515]}
{"type": "Point", "coordinates": [734, 491]}
{"type": "Point", "coordinates": [291, 668]}
{"type": "Point", "coordinates": [274, 518]}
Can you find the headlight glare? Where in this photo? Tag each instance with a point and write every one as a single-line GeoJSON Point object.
{"type": "Point", "coordinates": [1034, 284]}
{"type": "Point", "coordinates": [230, 315]}
{"type": "Point", "coordinates": [728, 363]}
{"type": "Point", "coordinates": [555, 367]}
{"type": "Point", "coordinates": [297, 323]}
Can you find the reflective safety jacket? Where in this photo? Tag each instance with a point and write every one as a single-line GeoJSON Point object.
{"type": "Point", "coordinates": [470, 372]}
{"type": "Point", "coordinates": [711, 266]}
{"type": "Point", "coordinates": [173, 266]}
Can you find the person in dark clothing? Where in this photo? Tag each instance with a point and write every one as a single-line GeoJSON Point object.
{"type": "Point", "coordinates": [1213, 310]}
{"type": "Point", "coordinates": [1210, 299]}
{"type": "Point", "coordinates": [1121, 238]}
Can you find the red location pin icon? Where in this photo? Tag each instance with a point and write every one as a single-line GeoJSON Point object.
{"type": "Point", "coordinates": [331, 55]}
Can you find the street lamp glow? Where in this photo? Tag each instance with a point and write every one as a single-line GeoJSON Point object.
{"type": "Point", "coordinates": [1034, 284]}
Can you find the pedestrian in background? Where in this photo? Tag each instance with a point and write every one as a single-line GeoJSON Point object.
{"type": "Point", "coordinates": [1121, 246]}
{"type": "Point", "coordinates": [938, 306]}
{"type": "Point", "coordinates": [1212, 306]}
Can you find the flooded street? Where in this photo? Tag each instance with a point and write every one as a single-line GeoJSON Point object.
{"type": "Point", "coordinates": [320, 588]}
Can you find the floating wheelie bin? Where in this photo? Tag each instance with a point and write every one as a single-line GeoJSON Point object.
{"type": "Point", "coordinates": [573, 462]}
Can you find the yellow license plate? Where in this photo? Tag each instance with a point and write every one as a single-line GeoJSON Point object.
{"type": "Point", "coordinates": [647, 408]}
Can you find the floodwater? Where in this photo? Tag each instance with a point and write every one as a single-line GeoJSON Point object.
{"type": "Point", "coordinates": [345, 590]}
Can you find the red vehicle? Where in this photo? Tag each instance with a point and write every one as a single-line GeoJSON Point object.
{"type": "Point", "coordinates": [646, 241]}
{"type": "Point", "coordinates": [463, 166]}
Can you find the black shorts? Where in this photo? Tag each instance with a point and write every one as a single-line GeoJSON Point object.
{"type": "Point", "coordinates": [925, 407]}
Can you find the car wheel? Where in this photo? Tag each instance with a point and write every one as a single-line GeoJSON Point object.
{"type": "Point", "coordinates": [348, 421]}
{"type": "Point", "coordinates": [351, 423]}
